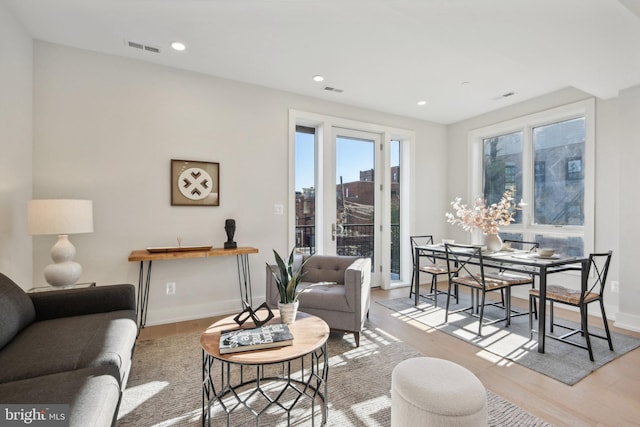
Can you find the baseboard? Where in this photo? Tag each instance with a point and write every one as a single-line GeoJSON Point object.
{"type": "Point", "coordinates": [627, 321]}
{"type": "Point", "coordinates": [194, 312]}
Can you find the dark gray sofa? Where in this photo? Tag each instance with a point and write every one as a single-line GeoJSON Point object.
{"type": "Point", "coordinates": [70, 346]}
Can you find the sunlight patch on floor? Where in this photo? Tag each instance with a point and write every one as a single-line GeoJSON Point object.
{"type": "Point", "coordinates": [363, 410]}
{"type": "Point", "coordinates": [189, 417]}
{"type": "Point", "coordinates": [139, 394]}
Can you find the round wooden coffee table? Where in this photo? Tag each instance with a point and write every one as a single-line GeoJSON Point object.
{"type": "Point", "coordinates": [266, 381]}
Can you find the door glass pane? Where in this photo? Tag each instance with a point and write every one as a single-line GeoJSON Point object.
{"type": "Point", "coordinates": [395, 210]}
{"type": "Point", "coordinates": [559, 173]}
{"type": "Point", "coordinates": [305, 189]}
{"type": "Point", "coordinates": [502, 157]}
{"type": "Point", "coordinates": [355, 196]}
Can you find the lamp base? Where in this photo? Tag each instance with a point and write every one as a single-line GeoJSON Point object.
{"type": "Point", "coordinates": [63, 274]}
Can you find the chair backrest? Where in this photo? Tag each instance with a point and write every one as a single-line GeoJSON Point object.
{"type": "Point", "coordinates": [464, 259]}
{"type": "Point", "coordinates": [327, 268]}
{"type": "Point", "coordinates": [599, 267]}
{"type": "Point", "coordinates": [522, 244]}
{"type": "Point", "coordinates": [419, 241]}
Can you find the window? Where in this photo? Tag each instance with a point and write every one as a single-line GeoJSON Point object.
{"type": "Point", "coordinates": [396, 241]}
{"type": "Point", "coordinates": [545, 159]}
{"type": "Point", "coordinates": [305, 189]}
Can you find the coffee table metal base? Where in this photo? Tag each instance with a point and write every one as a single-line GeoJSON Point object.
{"type": "Point", "coordinates": [265, 389]}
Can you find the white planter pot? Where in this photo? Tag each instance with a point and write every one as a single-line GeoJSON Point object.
{"type": "Point", "coordinates": [288, 312]}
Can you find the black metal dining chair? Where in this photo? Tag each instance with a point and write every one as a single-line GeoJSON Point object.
{"type": "Point", "coordinates": [431, 267]}
{"type": "Point", "coordinates": [522, 245]}
{"type": "Point", "coordinates": [599, 267]}
{"type": "Point", "coordinates": [463, 264]}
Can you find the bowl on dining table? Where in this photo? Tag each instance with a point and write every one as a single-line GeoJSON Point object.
{"type": "Point", "coordinates": [546, 252]}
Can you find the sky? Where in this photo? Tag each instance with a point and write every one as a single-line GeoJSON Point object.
{"type": "Point", "coordinates": [352, 157]}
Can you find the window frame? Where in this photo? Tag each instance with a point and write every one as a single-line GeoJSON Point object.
{"type": "Point", "coordinates": [526, 125]}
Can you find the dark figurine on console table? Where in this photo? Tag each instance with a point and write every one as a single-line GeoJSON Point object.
{"type": "Point", "coordinates": [230, 228]}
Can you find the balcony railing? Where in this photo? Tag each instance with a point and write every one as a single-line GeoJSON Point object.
{"type": "Point", "coordinates": [353, 239]}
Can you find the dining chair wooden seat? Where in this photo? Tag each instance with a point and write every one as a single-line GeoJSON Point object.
{"type": "Point", "coordinates": [433, 269]}
{"type": "Point", "coordinates": [598, 267]}
{"type": "Point", "coordinates": [463, 262]}
{"type": "Point", "coordinates": [565, 295]}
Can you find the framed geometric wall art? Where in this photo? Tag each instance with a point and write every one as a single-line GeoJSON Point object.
{"type": "Point", "coordinates": [195, 183]}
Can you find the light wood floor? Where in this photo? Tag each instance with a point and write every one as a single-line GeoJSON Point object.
{"type": "Point", "coordinates": [608, 397]}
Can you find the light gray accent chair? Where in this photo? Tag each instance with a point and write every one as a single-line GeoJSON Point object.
{"type": "Point", "coordinates": [343, 301]}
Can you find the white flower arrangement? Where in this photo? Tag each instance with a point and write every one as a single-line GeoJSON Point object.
{"type": "Point", "coordinates": [486, 218]}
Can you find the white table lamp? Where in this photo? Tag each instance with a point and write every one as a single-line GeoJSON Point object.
{"type": "Point", "coordinates": [61, 217]}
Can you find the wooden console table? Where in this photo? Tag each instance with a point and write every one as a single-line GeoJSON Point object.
{"type": "Point", "coordinates": [142, 255]}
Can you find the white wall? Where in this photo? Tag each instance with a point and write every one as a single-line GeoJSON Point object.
{"type": "Point", "coordinates": [105, 128]}
{"type": "Point", "coordinates": [629, 231]}
{"type": "Point", "coordinates": [613, 179]}
{"type": "Point", "coordinates": [16, 54]}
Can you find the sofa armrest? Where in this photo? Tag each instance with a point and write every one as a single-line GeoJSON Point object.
{"type": "Point", "coordinates": [82, 301]}
{"type": "Point", "coordinates": [357, 281]}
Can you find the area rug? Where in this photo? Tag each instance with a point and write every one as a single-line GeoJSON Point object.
{"type": "Point", "coordinates": [164, 388]}
{"type": "Point", "coordinates": [560, 361]}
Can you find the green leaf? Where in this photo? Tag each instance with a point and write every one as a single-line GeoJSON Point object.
{"type": "Point", "coordinates": [287, 280]}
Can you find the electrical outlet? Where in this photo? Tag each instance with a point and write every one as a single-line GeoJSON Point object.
{"type": "Point", "coordinates": [278, 209]}
{"type": "Point", "coordinates": [171, 288]}
{"type": "Point", "coordinates": [615, 286]}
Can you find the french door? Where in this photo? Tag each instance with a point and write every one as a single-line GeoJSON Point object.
{"type": "Point", "coordinates": [351, 208]}
{"type": "Point", "coordinates": [346, 192]}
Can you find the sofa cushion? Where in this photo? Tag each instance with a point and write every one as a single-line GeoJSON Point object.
{"type": "Point", "coordinates": [323, 296]}
{"type": "Point", "coordinates": [70, 343]}
{"type": "Point", "coordinates": [91, 393]}
{"type": "Point", "coordinates": [16, 310]}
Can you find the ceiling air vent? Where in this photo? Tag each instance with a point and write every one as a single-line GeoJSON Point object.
{"type": "Point", "coordinates": [503, 96]}
{"type": "Point", "coordinates": [144, 47]}
{"type": "Point", "coordinates": [332, 89]}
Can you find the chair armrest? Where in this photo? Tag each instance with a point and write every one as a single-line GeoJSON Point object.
{"type": "Point", "coordinates": [82, 301]}
{"type": "Point", "coordinates": [357, 281]}
{"type": "Point", "coordinates": [271, 291]}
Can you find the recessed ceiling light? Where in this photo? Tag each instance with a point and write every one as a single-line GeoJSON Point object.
{"type": "Point", "coordinates": [318, 78]}
{"type": "Point", "coordinates": [421, 103]}
{"type": "Point", "coordinates": [179, 46]}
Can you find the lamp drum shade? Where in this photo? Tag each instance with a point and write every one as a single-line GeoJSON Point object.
{"type": "Point", "coordinates": [60, 216]}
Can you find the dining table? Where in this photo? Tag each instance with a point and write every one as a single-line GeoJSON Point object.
{"type": "Point", "coordinates": [515, 261]}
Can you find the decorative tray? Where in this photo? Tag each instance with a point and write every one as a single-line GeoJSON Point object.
{"type": "Point", "coordinates": [160, 249]}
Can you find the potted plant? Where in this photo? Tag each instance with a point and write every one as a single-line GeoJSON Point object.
{"type": "Point", "coordinates": [287, 278]}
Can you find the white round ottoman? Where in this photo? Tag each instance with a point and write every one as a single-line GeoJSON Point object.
{"type": "Point", "coordinates": [426, 391]}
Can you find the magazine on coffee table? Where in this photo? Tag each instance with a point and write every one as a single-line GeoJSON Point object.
{"type": "Point", "coordinates": [267, 336]}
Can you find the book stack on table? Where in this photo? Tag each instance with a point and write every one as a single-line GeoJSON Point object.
{"type": "Point", "coordinates": [267, 336]}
